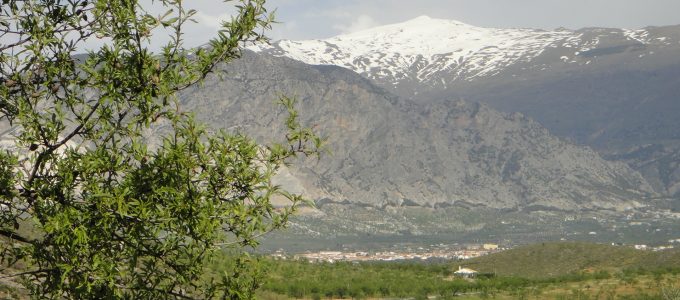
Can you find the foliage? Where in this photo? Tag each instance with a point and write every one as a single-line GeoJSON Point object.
{"type": "Point", "coordinates": [564, 258]}
{"type": "Point", "coordinates": [113, 211]}
{"type": "Point", "coordinates": [301, 279]}
{"type": "Point", "coordinates": [670, 292]}
{"type": "Point", "coordinates": [369, 280]}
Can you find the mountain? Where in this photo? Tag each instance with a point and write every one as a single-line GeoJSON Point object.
{"type": "Point", "coordinates": [390, 152]}
{"type": "Point", "coordinates": [435, 54]}
{"type": "Point", "coordinates": [614, 90]}
{"type": "Point", "coordinates": [423, 51]}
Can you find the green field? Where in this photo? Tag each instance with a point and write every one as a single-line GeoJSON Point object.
{"type": "Point", "coordinates": [558, 259]}
{"type": "Point", "coordinates": [541, 271]}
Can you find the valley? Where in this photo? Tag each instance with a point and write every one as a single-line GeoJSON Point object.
{"type": "Point", "coordinates": [405, 229]}
{"type": "Point", "coordinates": [462, 167]}
{"type": "Point", "coordinates": [541, 271]}
{"type": "Point", "coordinates": [361, 149]}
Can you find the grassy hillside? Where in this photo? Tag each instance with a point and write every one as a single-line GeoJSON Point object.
{"type": "Point", "coordinates": [541, 271]}
{"type": "Point", "coordinates": [561, 258]}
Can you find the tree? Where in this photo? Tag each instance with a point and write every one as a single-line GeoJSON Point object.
{"type": "Point", "coordinates": [86, 202]}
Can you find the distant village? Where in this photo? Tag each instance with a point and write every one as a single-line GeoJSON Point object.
{"type": "Point", "coordinates": [441, 252]}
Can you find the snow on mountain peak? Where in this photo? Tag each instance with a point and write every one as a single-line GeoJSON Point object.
{"type": "Point", "coordinates": [420, 36]}
{"type": "Point", "coordinates": [425, 50]}
{"type": "Point", "coordinates": [427, 20]}
{"type": "Point", "coordinates": [420, 19]}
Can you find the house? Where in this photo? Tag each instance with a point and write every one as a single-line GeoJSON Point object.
{"type": "Point", "coordinates": [490, 247]}
{"type": "Point", "coordinates": [465, 272]}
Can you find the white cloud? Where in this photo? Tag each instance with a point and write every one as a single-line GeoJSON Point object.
{"type": "Point", "coordinates": [323, 19]}
{"type": "Point", "coordinates": [211, 21]}
{"type": "Point", "coordinates": [284, 30]}
{"type": "Point", "coordinates": [360, 23]}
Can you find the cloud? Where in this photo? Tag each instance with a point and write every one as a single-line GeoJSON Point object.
{"type": "Point", "coordinates": [284, 30]}
{"type": "Point", "coordinates": [211, 21]}
{"type": "Point", "coordinates": [360, 23]}
{"type": "Point", "coordinates": [323, 19]}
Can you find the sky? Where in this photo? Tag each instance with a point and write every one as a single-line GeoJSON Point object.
{"type": "Point", "coordinates": [311, 19]}
{"type": "Point", "coordinates": [318, 19]}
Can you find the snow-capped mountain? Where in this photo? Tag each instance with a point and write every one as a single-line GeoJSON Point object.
{"type": "Point", "coordinates": [437, 53]}
{"type": "Point", "coordinates": [615, 90]}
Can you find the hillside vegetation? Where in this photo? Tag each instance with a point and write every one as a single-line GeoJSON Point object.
{"type": "Point", "coordinates": [541, 271]}
{"type": "Point", "coordinates": [557, 259]}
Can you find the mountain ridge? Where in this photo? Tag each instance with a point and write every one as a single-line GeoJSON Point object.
{"type": "Point", "coordinates": [436, 52]}
{"type": "Point", "coordinates": [388, 151]}
{"type": "Point", "coordinates": [612, 89]}
{"type": "Point", "coordinates": [391, 51]}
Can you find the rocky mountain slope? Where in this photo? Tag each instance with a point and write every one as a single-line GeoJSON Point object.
{"type": "Point", "coordinates": [387, 151]}
{"type": "Point", "coordinates": [615, 90]}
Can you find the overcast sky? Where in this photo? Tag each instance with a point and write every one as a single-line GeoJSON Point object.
{"type": "Point", "coordinates": [317, 19]}
{"type": "Point", "coordinates": [306, 19]}
{"type": "Point", "coordinates": [312, 19]}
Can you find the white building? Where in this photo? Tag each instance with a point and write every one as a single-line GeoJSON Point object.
{"type": "Point", "coordinates": [465, 272]}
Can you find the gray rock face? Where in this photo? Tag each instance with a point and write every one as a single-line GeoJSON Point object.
{"type": "Point", "coordinates": [615, 90]}
{"type": "Point", "coordinates": [624, 100]}
{"type": "Point", "coordinates": [388, 151]}
{"type": "Point", "coordinates": [658, 163]}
